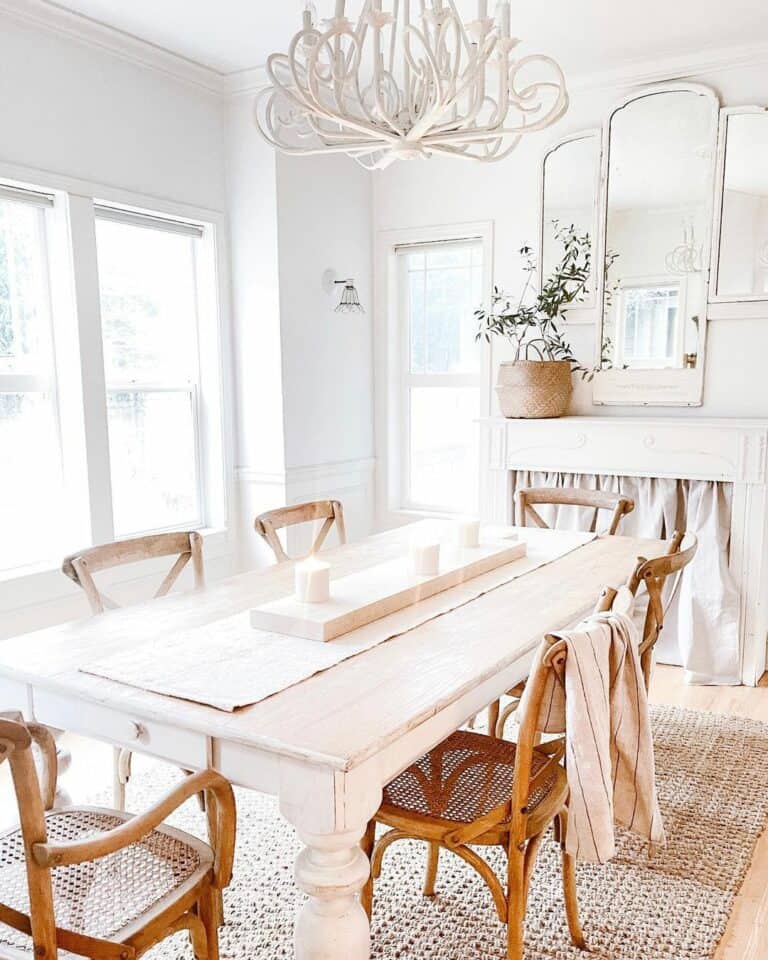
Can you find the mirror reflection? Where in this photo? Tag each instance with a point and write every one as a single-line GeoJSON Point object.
{"type": "Point", "coordinates": [658, 209]}
{"type": "Point", "coordinates": [570, 197]}
{"type": "Point", "coordinates": [743, 268]}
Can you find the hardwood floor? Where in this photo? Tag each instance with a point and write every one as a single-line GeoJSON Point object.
{"type": "Point", "coordinates": [746, 937]}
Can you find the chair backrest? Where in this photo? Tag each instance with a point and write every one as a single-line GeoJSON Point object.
{"type": "Point", "coordinates": [528, 497]}
{"type": "Point", "coordinates": [654, 574]}
{"type": "Point", "coordinates": [330, 511]}
{"type": "Point", "coordinates": [16, 747]}
{"type": "Point", "coordinates": [80, 567]}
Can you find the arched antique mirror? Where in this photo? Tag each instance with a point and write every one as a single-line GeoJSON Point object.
{"type": "Point", "coordinates": [740, 254]}
{"type": "Point", "coordinates": [570, 180]}
{"type": "Point", "coordinates": [656, 208]}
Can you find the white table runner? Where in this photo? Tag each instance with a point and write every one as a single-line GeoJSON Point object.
{"type": "Point", "coordinates": [228, 664]}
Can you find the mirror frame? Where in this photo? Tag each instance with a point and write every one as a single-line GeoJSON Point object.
{"type": "Point", "coordinates": [717, 221]}
{"type": "Point", "coordinates": [581, 310]}
{"type": "Point", "coordinates": [669, 388]}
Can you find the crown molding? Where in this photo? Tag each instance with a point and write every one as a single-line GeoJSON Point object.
{"type": "Point", "coordinates": [49, 16]}
{"type": "Point", "coordinates": [55, 19]}
{"type": "Point", "coordinates": [241, 82]}
{"type": "Point", "coordinates": [640, 72]}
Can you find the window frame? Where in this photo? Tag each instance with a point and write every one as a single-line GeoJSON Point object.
{"type": "Point", "coordinates": [660, 282]}
{"type": "Point", "coordinates": [392, 360]}
{"type": "Point", "coordinates": [80, 377]}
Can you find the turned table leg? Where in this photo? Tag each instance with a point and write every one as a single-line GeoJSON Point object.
{"type": "Point", "coordinates": [332, 870]}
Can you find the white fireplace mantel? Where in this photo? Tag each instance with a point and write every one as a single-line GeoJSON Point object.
{"type": "Point", "coordinates": [731, 451]}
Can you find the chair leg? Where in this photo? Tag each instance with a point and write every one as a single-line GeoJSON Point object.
{"type": "Point", "coordinates": [515, 903]}
{"type": "Point", "coordinates": [569, 886]}
{"type": "Point", "coordinates": [433, 859]}
{"type": "Point", "coordinates": [209, 914]}
{"type": "Point", "coordinates": [493, 717]}
{"type": "Point", "coordinates": [198, 938]}
{"type": "Point", "coordinates": [121, 775]}
{"type": "Point", "coordinates": [366, 845]}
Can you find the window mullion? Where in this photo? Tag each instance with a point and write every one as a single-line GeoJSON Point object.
{"type": "Point", "coordinates": [94, 391]}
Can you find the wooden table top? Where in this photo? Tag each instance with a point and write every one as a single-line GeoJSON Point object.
{"type": "Point", "coordinates": [348, 713]}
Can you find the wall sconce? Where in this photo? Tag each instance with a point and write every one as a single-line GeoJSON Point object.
{"type": "Point", "coordinates": [350, 299]}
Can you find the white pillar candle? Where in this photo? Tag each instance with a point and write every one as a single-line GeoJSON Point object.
{"type": "Point", "coordinates": [482, 9]}
{"type": "Point", "coordinates": [468, 532]}
{"type": "Point", "coordinates": [505, 23]}
{"type": "Point", "coordinates": [313, 581]}
{"type": "Point", "coordinates": [425, 558]}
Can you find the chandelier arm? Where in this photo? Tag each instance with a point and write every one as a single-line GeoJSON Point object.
{"type": "Point", "coordinates": [425, 121]}
{"type": "Point", "coordinates": [473, 111]}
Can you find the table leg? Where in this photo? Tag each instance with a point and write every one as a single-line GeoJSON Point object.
{"type": "Point", "coordinates": [332, 870]}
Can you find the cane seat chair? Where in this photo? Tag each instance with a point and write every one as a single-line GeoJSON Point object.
{"type": "Point", "coordinates": [329, 511]}
{"type": "Point", "coordinates": [102, 883]}
{"type": "Point", "coordinates": [80, 568]}
{"type": "Point", "coordinates": [529, 498]}
{"type": "Point", "coordinates": [476, 790]}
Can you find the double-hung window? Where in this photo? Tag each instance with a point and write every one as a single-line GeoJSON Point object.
{"type": "Point", "coordinates": [111, 405]}
{"type": "Point", "coordinates": [30, 446]}
{"type": "Point", "coordinates": [149, 318]}
{"type": "Point", "coordinates": [440, 285]}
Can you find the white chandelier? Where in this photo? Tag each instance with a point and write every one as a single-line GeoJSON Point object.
{"type": "Point", "coordinates": [410, 79]}
{"type": "Point", "coordinates": [686, 257]}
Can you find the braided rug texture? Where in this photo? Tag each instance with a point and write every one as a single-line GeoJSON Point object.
{"type": "Point", "coordinates": [712, 775]}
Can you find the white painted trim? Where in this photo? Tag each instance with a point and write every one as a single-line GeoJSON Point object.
{"type": "Point", "coordinates": [74, 26]}
{"type": "Point", "coordinates": [56, 19]}
{"type": "Point", "coordinates": [387, 352]}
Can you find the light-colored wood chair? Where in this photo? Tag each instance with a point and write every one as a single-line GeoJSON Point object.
{"type": "Point", "coordinates": [330, 511]}
{"type": "Point", "coordinates": [81, 567]}
{"type": "Point", "coordinates": [475, 790]}
{"type": "Point", "coordinates": [653, 575]}
{"type": "Point", "coordinates": [527, 499]}
{"type": "Point", "coordinates": [101, 883]}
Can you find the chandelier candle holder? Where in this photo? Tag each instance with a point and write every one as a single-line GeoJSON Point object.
{"type": "Point", "coordinates": [408, 79]}
{"type": "Point", "coordinates": [687, 257]}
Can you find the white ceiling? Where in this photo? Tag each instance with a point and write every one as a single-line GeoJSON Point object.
{"type": "Point", "coordinates": [587, 37]}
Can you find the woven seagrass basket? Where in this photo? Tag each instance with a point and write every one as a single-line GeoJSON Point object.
{"type": "Point", "coordinates": [534, 389]}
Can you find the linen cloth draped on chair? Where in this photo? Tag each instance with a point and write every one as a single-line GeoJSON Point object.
{"type": "Point", "coordinates": [602, 706]}
{"type": "Point", "coordinates": [702, 624]}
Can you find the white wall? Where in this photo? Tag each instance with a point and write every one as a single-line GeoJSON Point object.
{"type": "Point", "coordinates": [427, 193]}
{"type": "Point", "coordinates": [73, 109]}
{"type": "Point", "coordinates": [76, 112]}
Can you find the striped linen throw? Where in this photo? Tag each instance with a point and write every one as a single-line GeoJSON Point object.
{"type": "Point", "coordinates": [609, 748]}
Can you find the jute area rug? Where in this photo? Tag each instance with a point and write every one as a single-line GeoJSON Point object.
{"type": "Point", "coordinates": [713, 783]}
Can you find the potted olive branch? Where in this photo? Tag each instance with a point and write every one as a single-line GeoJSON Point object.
{"type": "Point", "coordinates": [537, 383]}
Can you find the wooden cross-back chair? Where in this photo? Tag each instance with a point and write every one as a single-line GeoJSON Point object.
{"type": "Point", "coordinates": [330, 511]}
{"type": "Point", "coordinates": [477, 790]}
{"type": "Point", "coordinates": [104, 884]}
{"type": "Point", "coordinates": [653, 574]}
{"type": "Point", "coordinates": [528, 498]}
{"type": "Point", "coordinates": [81, 567]}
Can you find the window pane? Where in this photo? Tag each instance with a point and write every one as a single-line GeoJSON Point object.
{"type": "Point", "coordinates": [148, 303]}
{"type": "Point", "coordinates": [153, 457]}
{"type": "Point", "coordinates": [30, 480]}
{"type": "Point", "coordinates": [650, 324]}
{"type": "Point", "coordinates": [443, 448]}
{"type": "Point", "coordinates": [444, 290]}
{"type": "Point", "coordinates": [24, 316]}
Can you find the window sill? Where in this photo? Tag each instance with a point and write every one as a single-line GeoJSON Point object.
{"type": "Point", "coordinates": [44, 583]}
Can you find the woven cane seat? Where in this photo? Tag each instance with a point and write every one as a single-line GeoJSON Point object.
{"type": "Point", "coordinates": [102, 897]}
{"type": "Point", "coordinates": [463, 779]}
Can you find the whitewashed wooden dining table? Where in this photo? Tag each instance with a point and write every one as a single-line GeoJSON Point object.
{"type": "Point", "coordinates": [326, 746]}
